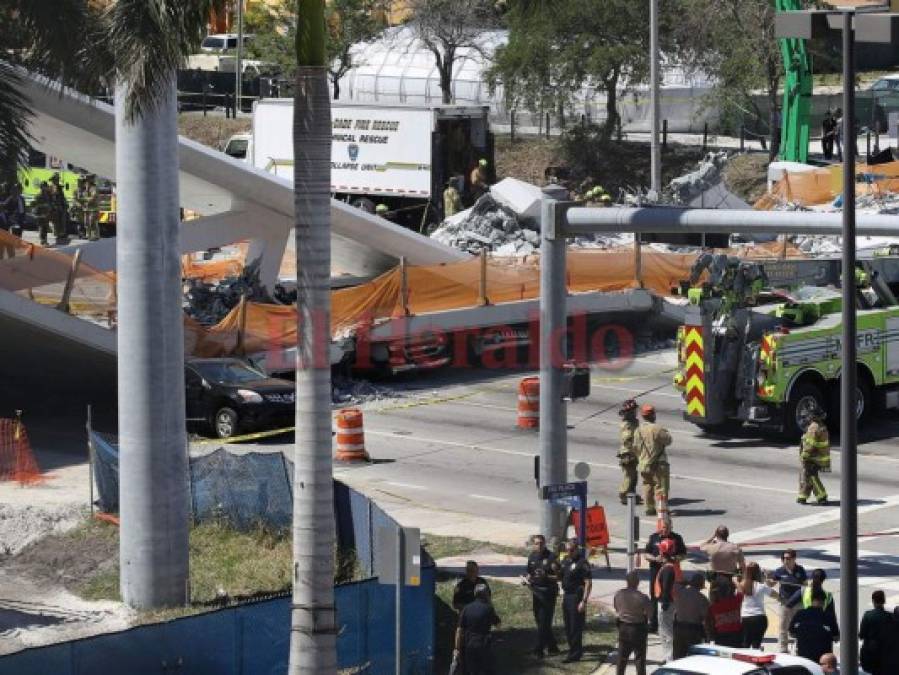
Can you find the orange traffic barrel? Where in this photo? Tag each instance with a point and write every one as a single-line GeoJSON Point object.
{"type": "Point", "coordinates": [350, 436]}
{"type": "Point", "coordinates": [529, 403]}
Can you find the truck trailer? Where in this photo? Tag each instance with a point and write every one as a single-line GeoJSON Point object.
{"type": "Point", "coordinates": [399, 156]}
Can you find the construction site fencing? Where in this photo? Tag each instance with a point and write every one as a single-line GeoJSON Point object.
{"type": "Point", "coordinates": [252, 638]}
{"type": "Point", "coordinates": [822, 186]}
{"type": "Point", "coordinates": [17, 461]}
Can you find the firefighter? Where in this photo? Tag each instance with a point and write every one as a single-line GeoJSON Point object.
{"type": "Point", "coordinates": [382, 210]}
{"type": "Point", "coordinates": [478, 179]}
{"type": "Point", "coordinates": [59, 211]}
{"type": "Point", "coordinates": [814, 453]}
{"type": "Point", "coordinates": [41, 206]}
{"type": "Point", "coordinates": [91, 209]}
{"type": "Point", "coordinates": [452, 202]}
{"type": "Point", "coordinates": [652, 439]}
{"type": "Point", "coordinates": [77, 212]}
{"type": "Point", "coordinates": [627, 454]}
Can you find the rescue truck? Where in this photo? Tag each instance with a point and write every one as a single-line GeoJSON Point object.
{"type": "Point", "coordinates": [761, 341]}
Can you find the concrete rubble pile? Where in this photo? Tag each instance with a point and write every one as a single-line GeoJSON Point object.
{"type": "Point", "coordinates": [505, 222]}
{"type": "Point", "coordinates": [684, 189]}
{"type": "Point", "coordinates": [346, 391]}
{"type": "Point", "coordinates": [209, 303]}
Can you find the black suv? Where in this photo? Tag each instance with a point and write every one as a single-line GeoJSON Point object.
{"type": "Point", "coordinates": [229, 396]}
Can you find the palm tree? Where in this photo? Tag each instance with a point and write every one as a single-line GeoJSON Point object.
{"type": "Point", "coordinates": [313, 637]}
{"type": "Point", "coordinates": [149, 41]}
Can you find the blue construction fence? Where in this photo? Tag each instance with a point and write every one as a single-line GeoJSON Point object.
{"type": "Point", "coordinates": [252, 639]}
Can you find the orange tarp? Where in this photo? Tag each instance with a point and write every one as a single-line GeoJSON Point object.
{"type": "Point", "coordinates": [822, 186]}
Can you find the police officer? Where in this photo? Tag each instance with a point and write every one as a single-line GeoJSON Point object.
{"type": "Point", "coordinates": [576, 586]}
{"type": "Point", "coordinates": [542, 578]}
{"type": "Point", "coordinates": [473, 633]}
{"type": "Point", "coordinates": [41, 206]}
{"type": "Point", "coordinates": [814, 454]}
{"type": "Point", "coordinates": [633, 609]}
{"type": "Point", "coordinates": [91, 208]}
{"type": "Point", "coordinates": [652, 439]}
{"type": "Point", "coordinates": [463, 593]}
{"type": "Point", "coordinates": [627, 453]}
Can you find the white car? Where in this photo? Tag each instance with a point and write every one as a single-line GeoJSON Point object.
{"type": "Point", "coordinates": [717, 660]}
{"type": "Point", "coordinates": [222, 42]}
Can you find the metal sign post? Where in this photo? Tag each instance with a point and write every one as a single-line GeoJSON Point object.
{"type": "Point", "coordinates": [571, 495]}
{"type": "Point", "coordinates": [633, 531]}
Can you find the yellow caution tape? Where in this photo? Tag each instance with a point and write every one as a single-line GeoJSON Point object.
{"type": "Point", "coordinates": [245, 437]}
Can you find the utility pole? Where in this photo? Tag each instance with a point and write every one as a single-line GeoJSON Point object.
{"type": "Point", "coordinates": [655, 103]}
{"type": "Point", "coordinates": [238, 75]}
{"type": "Point", "coordinates": [553, 353]}
{"type": "Point", "coordinates": [849, 376]}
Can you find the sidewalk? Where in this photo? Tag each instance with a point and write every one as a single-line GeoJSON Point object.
{"type": "Point", "coordinates": [508, 568]}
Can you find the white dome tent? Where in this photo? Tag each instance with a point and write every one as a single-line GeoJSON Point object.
{"type": "Point", "coordinates": [398, 69]}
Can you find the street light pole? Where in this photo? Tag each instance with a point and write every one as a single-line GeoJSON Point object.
{"type": "Point", "coordinates": [655, 103]}
{"type": "Point", "coordinates": [238, 75]}
{"type": "Point", "coordinates": [849, 377]}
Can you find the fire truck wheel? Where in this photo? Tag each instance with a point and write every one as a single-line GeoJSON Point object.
{"type": "Point", "coordinates": [803, 398]}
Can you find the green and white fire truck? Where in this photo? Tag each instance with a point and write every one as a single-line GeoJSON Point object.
{"type": "Point", "coordinates": [761, 341]}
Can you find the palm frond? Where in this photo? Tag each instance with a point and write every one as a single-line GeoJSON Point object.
{"type": "Point", "coordinates": [149, 40]}
{"type": "Point", "coordinates": [14, 116]}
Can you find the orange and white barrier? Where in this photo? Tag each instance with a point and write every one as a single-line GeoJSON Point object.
{"type": "Point", "coordinates": [350, 437]}
{"type": "Point", "coordinates": [662, 510]}
{"type": "Point", "coordinates": [529, 403]}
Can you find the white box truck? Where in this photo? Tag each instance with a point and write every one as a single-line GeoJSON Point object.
{"type": "Point", "coordinates": [401, 156]}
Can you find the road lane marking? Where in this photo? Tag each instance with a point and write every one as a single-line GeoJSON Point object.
{"type": "Point", "coordinates": [599, 465]}
{"type": "Point", "coordinates": [408, 486]}
{"type": "Point", "coordinates": [487, 498]}
{"type": "Point", "coordinates": [809, 521]}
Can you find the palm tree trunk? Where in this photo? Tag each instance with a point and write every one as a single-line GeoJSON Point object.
{"type": "Point", "coordinates": [154, 489]}
{"type": "Point", "coordinates": [313, 637]}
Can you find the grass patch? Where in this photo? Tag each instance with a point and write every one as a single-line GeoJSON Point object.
{"type": "Point", "coordinates": [514, 640]}
{"type": "Point", "coordinates": [445, 547]}
{"type": "Point", "coordinates": [747, 175]}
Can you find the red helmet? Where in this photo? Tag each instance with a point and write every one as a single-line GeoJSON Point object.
{"type": "Point", "coordinates": [667, 547]}
{"type": "Point", "coordinates": [648, 410]}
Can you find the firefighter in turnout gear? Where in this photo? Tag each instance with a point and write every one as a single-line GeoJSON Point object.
{"type": "Point", "coordinates": [41, 207]}
{"type": "Point", "coordinates": [627, 453]}
{"type": "Point", "coordinates": [652, 439]}
{"type": "Point", "coordinates": [91, 208]}
{"type": "Point", "coordinates": [814, 453]}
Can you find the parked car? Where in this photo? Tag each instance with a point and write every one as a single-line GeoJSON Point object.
{"type": "Point", "coordinates": [713, 659]}
{"type": "Point", "coordinates": [228, 396]}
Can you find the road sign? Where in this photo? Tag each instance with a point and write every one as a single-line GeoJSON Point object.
{"type": "Point", "coordinates": [560, 490]}
{"type": "Point", "coordinates": [597, 527]}
{"type": "Point", "coordinates": [582, 470]}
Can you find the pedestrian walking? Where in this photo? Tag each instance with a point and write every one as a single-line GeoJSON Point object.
{"type": "Point", "coordinates": [542, 578]}
{"type": "Point", "coordinates": [652, 554]}
{"type": "Point", "coordinates": [725, 558]}
{"type": "Point", "coordinates": [463, 593]}
{"type": "Point", "coordinates": [723, 624]}
{"type": "Point", "coordinates": [627, 453]}
{"type": "Point", "coordinates": [665, 590]}
{"type": "Point", "coordinates": [828, 133]}
{"type": "Point", "coordinates": [814, 454]}
{"type": "Point", "coordinates": [814, 629]}
{"type": "Point", "coordinates": [473, 633]}
{"type": "Point", "coordinates": [633, 609]}
{"type": "Point", "coordinates": [873, 633]}
{"type": "Point", "coordinates": [792, 577]}
{"type": "Point", "coordinates": [652, 439]}
{"type": "Point", "coordinates": [754, 588]}
{"type": "Point", "coordinates": [691, 608]}
{"type": "Point", "coordinates": [576, 586]}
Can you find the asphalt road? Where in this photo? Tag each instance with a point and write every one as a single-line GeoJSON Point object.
{"type": "Point", "coordinates": [452, 450]}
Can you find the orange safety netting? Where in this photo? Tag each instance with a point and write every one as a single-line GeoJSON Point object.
{"type": "Point", "coordinates": [17, 461]}
{"type": "Point", "coordinates": [41, 274]}
{"type": "Point", "coordinates": [822, 186]}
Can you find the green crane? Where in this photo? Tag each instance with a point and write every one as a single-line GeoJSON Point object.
{"type": "Point", "coordinates": [797, 92]}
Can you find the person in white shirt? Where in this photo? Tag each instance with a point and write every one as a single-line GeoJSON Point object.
{"type": "Point", "coordinates": [754, 588]}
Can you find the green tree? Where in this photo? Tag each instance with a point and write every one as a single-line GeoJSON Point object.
{"type": "Point", "coordinates": [445, 27]}
{"type": "Point", "coordinates": [349, 23]}
{"type": "Point", "coordinates": [556, 48]}
{"type": "Point", "coordinates": [313, 637]}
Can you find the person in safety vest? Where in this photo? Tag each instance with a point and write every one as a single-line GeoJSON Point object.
{"type": "Point", "coordinates": [652, 439]}
{"type": "Point", "coordinates": [627, 453]}
{"type": "Point", "coordinates": [814, 454]}
{"type": "Point", "coordinates": [665, 589]}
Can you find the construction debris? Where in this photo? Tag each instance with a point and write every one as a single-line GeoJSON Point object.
{"type": "Point", "coordinates": [349, 392]}
{"type": "Point", "coordinates": [685, 189]}
{"type": "Point", "coordinates": [488, 225]}
{"type": "Point", "coordinates": [209, 303]}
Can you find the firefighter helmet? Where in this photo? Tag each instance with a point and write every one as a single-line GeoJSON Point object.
{"type": "Point", "coordinates": [648, 410]}
{"type": "Point", "coordinates": [629, 406]}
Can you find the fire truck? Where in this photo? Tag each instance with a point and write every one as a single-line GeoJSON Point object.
{"type": "Point", "coordinates": [761, 341]}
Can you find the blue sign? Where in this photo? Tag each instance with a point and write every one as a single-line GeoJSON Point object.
{"type": "Point", "coordinates": [573, 496]}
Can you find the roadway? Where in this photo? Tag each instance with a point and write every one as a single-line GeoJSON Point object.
{"type": "Point", "coordinates": [448, 458]}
